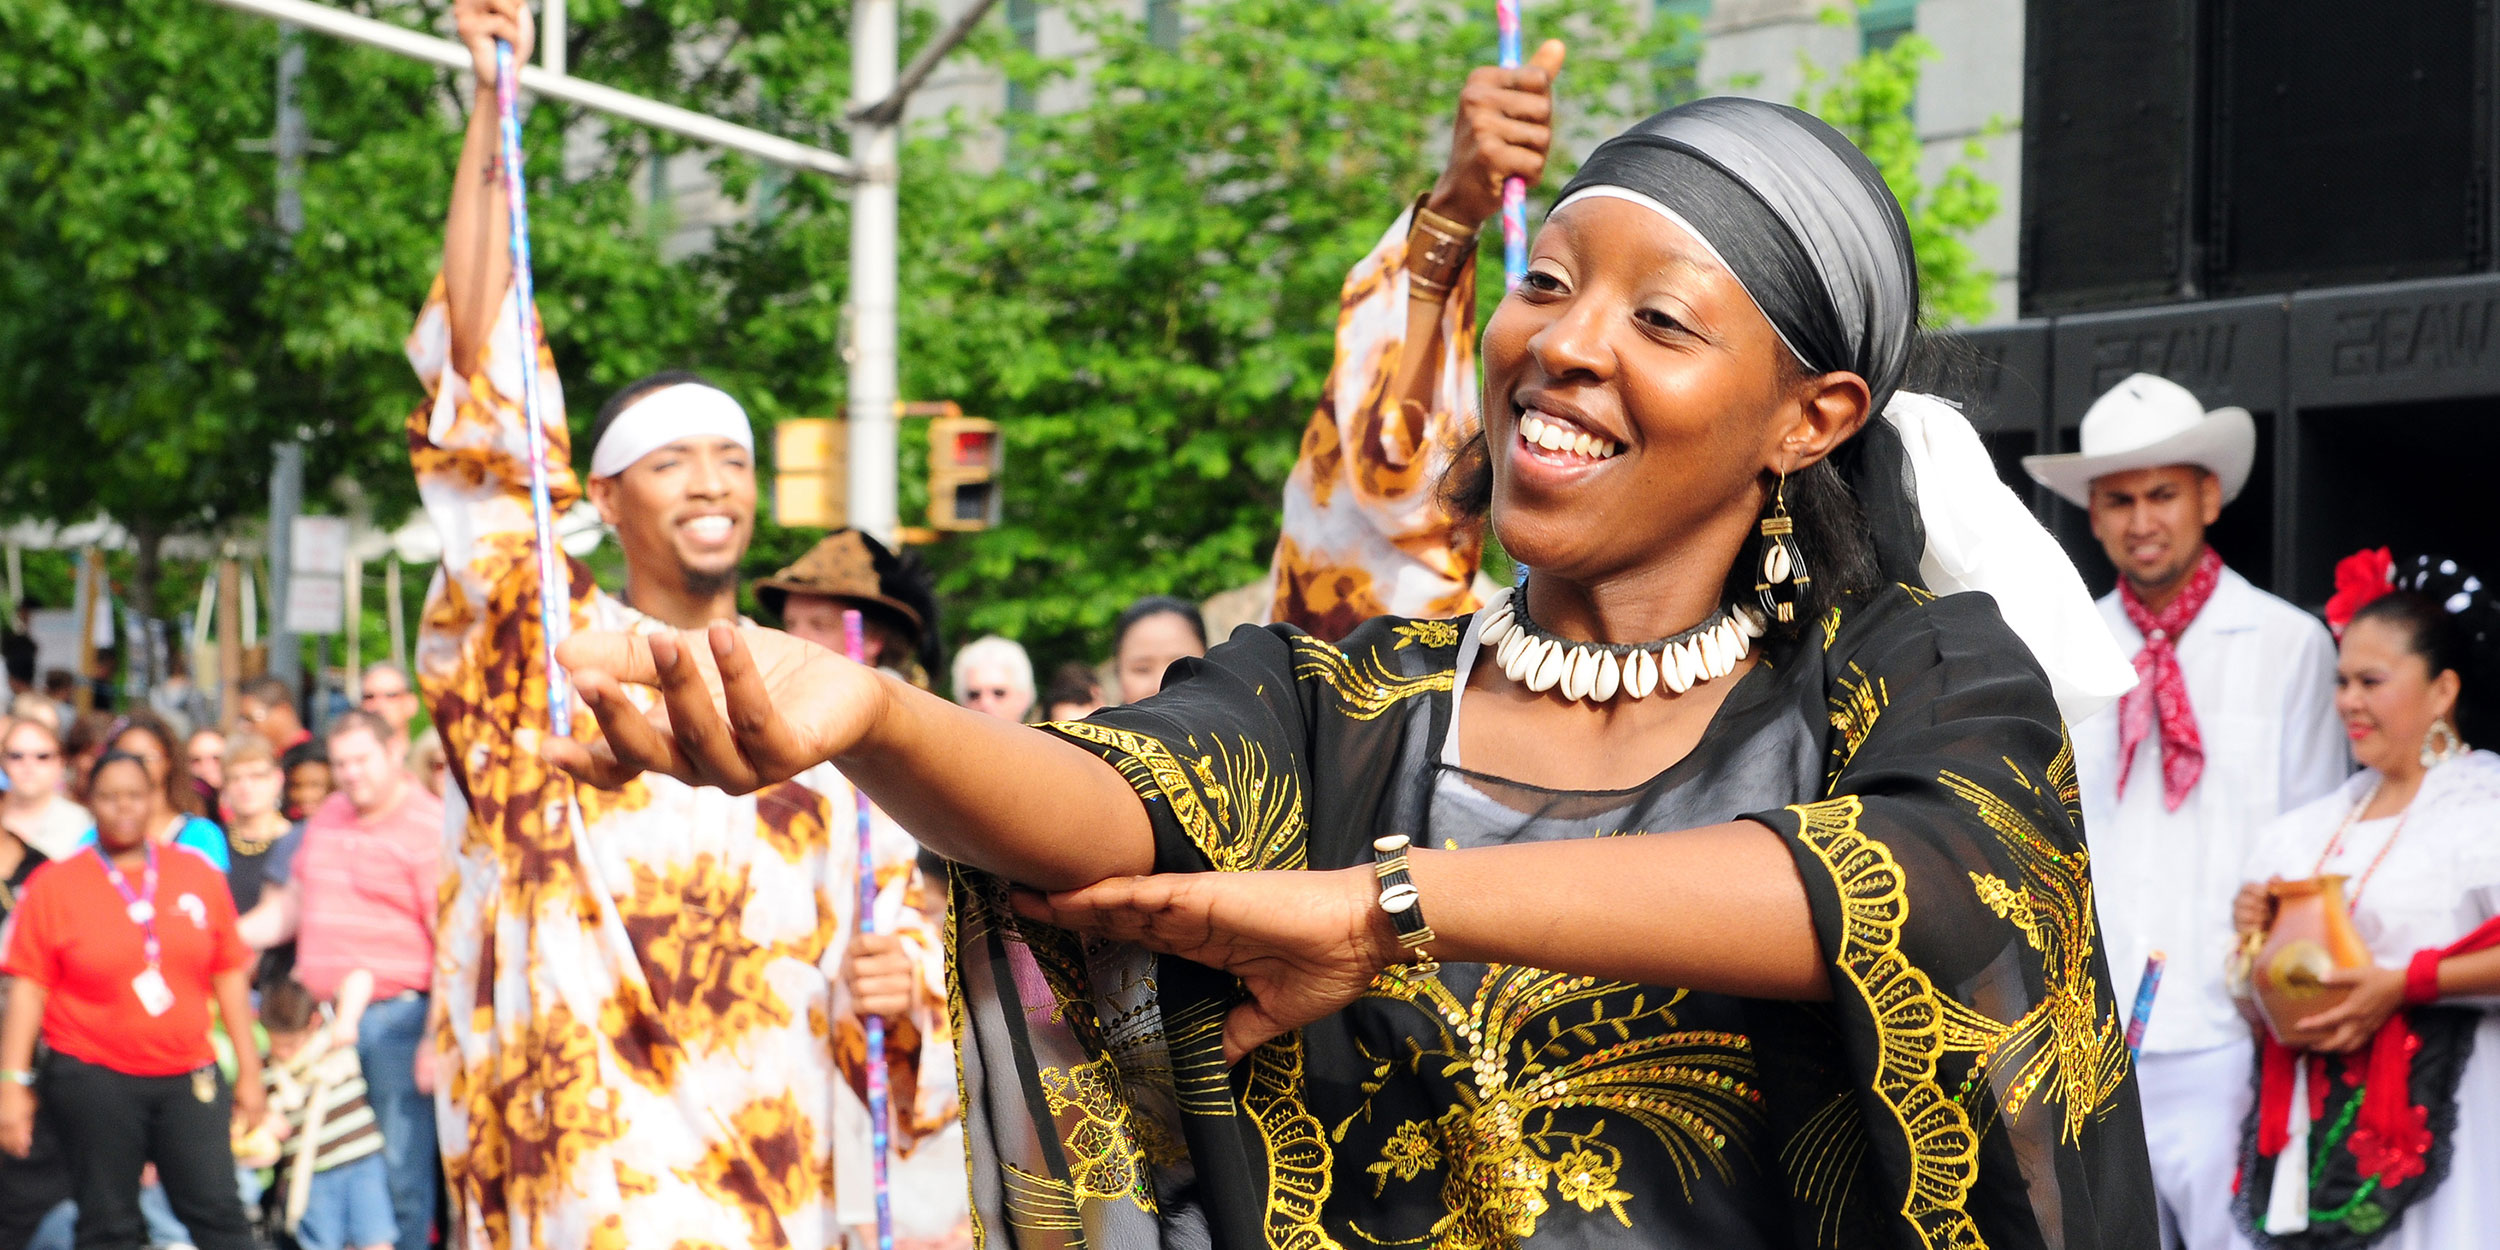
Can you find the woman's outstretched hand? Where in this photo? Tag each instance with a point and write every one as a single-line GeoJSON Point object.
{"type": "Point", "coordinates": [1305, 944]}
{"type": "Point", "coordinates": [739, 708]}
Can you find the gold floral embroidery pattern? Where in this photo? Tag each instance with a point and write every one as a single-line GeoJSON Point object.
{"type": "Point", "coordinates": [1437, 635]}
{"type": "Point", "coordinates": [958, 1025]}
{"type": "Point", "coordinates": [1298, 1157]}
{"type": "Point", "coordinates": [1104, 1160]}
{"type": "Point", "coordinates": [1151, 770]}
{"type": "Point", "coordinates": [2063, 1041]}
{"type": "Point", "coordinates": [1365, 687]}
{"type": "Point", "coordinates": [2063, 782]}
{"type": "Point", "coordinates": [1822, 1160]}
{"type": "Point", "coordinates": [1042, 1203]}
{"type": "Point", "coordinates": [1908, 1016]}
{"type": "Point", "coordinates": [1859, 703]}
{"type": "Point", "coordinates": [1500, 1148]}
{"type": "Point", "coordinates": [1241, 812]}
{"type": "Point", "coordinates": [1199, 1078]}
{"type": "Point", "coordinates": [1412, 1150]}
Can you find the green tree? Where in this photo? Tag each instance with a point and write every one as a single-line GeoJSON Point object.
{"type": "Point", "coordinates": [159, 333]}
{"type": "Point", "coordinates": [1145, 292]}
{"type": "Point", "coordinates": [1872, 100]}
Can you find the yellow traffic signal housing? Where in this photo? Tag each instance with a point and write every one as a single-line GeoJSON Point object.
{"type": "Point", "coordinates": [966, 457]}
{"type": "Point", "coordinates": [811, 473]}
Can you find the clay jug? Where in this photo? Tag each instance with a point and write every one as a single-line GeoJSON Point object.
{"type": "Point", "coordinates": [2312, 935]}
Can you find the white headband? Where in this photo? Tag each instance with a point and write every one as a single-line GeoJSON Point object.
{"type": "Point", "coordinates": [1630, 196]}
{"type": "Point", "coordinates": [667, 415]}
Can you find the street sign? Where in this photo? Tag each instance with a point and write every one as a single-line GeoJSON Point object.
{"type": "Point", "coordinates": [316, 585]}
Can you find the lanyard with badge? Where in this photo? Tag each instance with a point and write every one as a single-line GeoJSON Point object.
{"type": "Point", "coordinates": [154, 995]}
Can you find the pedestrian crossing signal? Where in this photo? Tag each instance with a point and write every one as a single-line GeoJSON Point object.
{"type": "Point", "coordinates": [966, 457]}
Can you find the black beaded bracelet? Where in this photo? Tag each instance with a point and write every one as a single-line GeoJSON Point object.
{"type": "Point", "coordinates": [1402, 901]}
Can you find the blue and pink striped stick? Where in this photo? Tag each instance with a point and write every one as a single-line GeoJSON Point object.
{"type": "Point", "coordinates": [554, 588]}
{"type": "Point", "coordinates": [2143, 1013]}
{"type": "Point", "coordinates": [855, 641]}
{"type": "Point", "coordinates": [1514, 190]}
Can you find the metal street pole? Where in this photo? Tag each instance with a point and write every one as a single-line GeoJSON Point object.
{"type": "Point", "coordinates": [286, 471]}
{"type": "Point", "coordinates": [415, 45]}
{"type": "Point", "coordinates": [551, 35]}
{"type": "Point", "coordinates": [871, 349]}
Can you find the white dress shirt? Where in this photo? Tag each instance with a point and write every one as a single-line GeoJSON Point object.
{"type": "Point", "coordinates": [2261, 679]}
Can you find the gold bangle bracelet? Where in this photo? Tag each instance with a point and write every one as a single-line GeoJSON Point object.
{"type": "Point", "coordinates": [1443, 226]}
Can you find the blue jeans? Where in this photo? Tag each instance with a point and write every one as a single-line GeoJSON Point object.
{"type": "Point", "coordinates": [386, 1044]}
{"type": "Point", "coordinates": [163, 1228]}
{"type": "Point", "coordinates": [349, 1207]}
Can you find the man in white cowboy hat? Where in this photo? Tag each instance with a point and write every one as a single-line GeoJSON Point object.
{"type": "Point", "coordinates": [2232, 721]}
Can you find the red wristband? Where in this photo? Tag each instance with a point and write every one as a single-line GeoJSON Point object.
{"type": "Point", "coordinates": [2422, 977]}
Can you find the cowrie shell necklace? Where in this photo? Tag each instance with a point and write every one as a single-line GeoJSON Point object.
{"type": "Point", "coordinates": [1600, 672]}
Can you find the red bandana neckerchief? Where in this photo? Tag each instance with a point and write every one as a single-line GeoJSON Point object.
{"type": "Point", "coordinates": [2161, 687]}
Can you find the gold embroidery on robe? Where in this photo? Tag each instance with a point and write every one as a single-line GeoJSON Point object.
{"type": "Point", "coordinates": [1908, 1016]}
{"type": "Point", "coordinates": [1528, 1044]}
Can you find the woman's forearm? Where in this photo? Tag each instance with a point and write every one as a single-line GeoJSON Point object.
{"type": "Point", "coordinates": [1718, 908]}
{"type": "Point", "coordinates": [2475, 975]}
{"type": "Point", "coordinates": [20, 1023]}
{"type": "Point", "coordinates": [999, 796]}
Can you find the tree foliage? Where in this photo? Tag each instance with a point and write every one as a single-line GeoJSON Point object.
{"type": "Point", "coordinates": [1873, 101]}
{"type": "Point", "coordinates": [1143, 290]}
{"type": "Point", "coordinates": [1148, 288]}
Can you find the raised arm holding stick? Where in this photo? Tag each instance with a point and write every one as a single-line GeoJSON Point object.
{"type": "Point", "coordinates": [637, 983]}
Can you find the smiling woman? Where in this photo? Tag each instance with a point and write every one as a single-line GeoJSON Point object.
{"type": "Point", "coordinates": [1720, 887]}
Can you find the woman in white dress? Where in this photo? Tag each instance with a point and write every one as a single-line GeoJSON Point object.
{"type": "Point", "coordinates": [2381, 1124]}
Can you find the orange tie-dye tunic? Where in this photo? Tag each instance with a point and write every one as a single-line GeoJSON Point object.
{"type": "Point", "coordinates": [1365, 534]}
{"type": "Point", "coordinates": [637, 1012]}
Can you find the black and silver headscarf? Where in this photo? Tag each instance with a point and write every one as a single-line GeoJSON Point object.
{"type": "Point", "coordinates": [1808, 227]}
{"type": "Point", "coordinates": [1800, 216]}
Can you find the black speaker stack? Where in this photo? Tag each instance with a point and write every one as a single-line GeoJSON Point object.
{"type": "Point", "coordinates": [2286, 205]}
{"type": "Point", "coordinates": [2194, 149]}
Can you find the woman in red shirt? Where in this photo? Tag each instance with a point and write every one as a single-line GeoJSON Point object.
{"type": "Point", "coordinates": [116, 954]}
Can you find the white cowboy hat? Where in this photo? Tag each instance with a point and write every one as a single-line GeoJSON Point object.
{"type": "Point", "coordinates": [2147, 422]}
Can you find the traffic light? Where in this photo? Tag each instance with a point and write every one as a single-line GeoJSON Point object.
{"type": "Point", "coordinates": [811, 473]}
{"type": "Point", "coordinates": [965, 459]}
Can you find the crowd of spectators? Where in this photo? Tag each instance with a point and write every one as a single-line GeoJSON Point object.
{"type": "Point", "coordinates": [171, 884]}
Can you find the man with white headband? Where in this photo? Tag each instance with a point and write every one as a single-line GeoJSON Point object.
{"type": "Point", "coordinates": [638, 1009]}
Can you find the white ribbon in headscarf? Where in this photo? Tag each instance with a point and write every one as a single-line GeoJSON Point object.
{"type": "Point", "coordinates": [667, 415]}
{"type": "Point", "coordinates": [1981, 537]}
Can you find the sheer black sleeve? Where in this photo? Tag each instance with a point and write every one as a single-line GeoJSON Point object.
{"type": "Point", "coordinates": [1952, 895]}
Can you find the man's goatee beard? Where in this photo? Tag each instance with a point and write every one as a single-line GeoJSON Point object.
{"type": "Point", "coordinates": [705, 583]}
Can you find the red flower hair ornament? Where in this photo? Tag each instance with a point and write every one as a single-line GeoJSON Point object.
{"type": "Point", "coordinates": [2359, 578]}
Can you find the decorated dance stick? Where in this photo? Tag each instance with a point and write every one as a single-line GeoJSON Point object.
{"type": "Point", "coordinates": [1514, 190]}
{"type": "Point", "coordinates": [554, 586]}
{"type": "Point", "coordinates": [2144, 991]}
{"type": "Point", "coordinates": [855, 641]}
